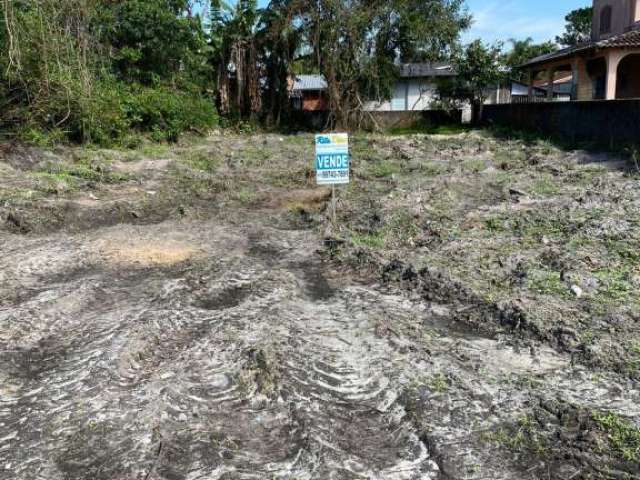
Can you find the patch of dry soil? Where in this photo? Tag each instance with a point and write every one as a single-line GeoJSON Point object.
{"type": "Point", "coordinates": [205, 351]}
{"type": "Point", "coordinates": [202, 347]}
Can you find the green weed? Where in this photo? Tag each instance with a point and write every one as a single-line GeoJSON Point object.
{"type": "Point", "coordinates": [82, 170]}
{"type": "Point", "coordinates": [545, 187]}
{"type": "Point", "coordinates": [203, 161]}
{"type": "Point", "coordinates": [439, 383]}
{"type": "Point", "coordinates": [421, 128]}
{"type": "Point", "coordinates": [520, 438]}
{"type": "Point", "coordinates": [547, 282]}
{"type": "Point", "coordinates": [245, 196]}
{"type": "Point", "coordinates": [495, 224]}
{"type": "Point", "coordinates": [154, 150]}
{"type": "Point", "coordinates": [615, 285]}
{"type": "Point", "coordinates": [623, 436]}
{"type": "Point", "coordinates": [374, 241]}
{"type": "Point", "coordinates": [384, 169]}
{"type": "Point", "coordinates": [474, 165]}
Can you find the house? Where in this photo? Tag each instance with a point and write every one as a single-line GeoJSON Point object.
{"type": "Point", "coordinates": [416, 89]}
{"type": "Point", "coordinates": [606, 67]}
{"type": "Point", "coordinates": [308, 93]}
{"type": "Point", "coordinates": [518, 92]}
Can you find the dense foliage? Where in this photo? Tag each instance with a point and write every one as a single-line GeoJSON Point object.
{"type": "Point", "coordinates": [101, 71]}
{"type": "Point", "coordinates": [578, 27]}
{"type": "Point", "coordinates": [479, 68]}
{"type": "Point", "coordinates": [357, 44]}
{"type": "Point", "coordinates": [109, 71]}
{"type": "Point", "coordinates": [522, 51]}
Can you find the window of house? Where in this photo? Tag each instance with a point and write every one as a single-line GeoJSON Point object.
{"type": "Point", "coordinates": [605, 19]}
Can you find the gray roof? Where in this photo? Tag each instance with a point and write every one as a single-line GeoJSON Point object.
{"type": "Point", "coordinates": [408, 70]}
{"type": "Point", "coordinates": [420, 70]}
{"type": "Point", "coordinates": [565, 52]}
{"type": "Point", "coordinates": [627, 39]}
{"type": "Point", "coordinates": [309, 82]}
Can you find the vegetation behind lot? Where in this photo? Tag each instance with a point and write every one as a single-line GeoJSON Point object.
{"type": "Point", "coordinates": [103, 72]}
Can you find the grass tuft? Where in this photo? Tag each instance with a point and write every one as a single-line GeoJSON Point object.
{"type": "Point", "coordinates": [623, 436]}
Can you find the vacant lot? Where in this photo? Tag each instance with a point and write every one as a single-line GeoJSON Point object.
{"type": "Point", "coordinates": [191, 313]}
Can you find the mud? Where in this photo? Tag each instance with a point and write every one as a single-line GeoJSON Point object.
{"type": "Point", "coordinates": [210, 346]}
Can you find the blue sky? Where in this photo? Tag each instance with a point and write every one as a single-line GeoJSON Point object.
{"type": "Point", "coordinates": [500, 20]}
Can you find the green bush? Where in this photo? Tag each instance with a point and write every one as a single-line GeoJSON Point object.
{"type": "Point", "coordinates": [59, 80]}
{"type": "Point", "coordinates": [166, 113]}
{"type": "Point", "coordinates": [117, 114]}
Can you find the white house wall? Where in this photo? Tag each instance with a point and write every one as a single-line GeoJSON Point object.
{"type": "Point", "coordinates": [408, 94]}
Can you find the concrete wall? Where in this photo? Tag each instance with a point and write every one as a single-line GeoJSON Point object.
{"type": "Point", "coordinates": [612, 124]}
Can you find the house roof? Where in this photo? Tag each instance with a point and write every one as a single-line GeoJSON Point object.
{"type": "Point", "coordinates": [309, 82]}
{"type": "Point", "coordinates": [418, 70]}
{"type": "Point", "coordinates": [628, 39]}
{"type": "Point", "coordinates": [624, 40]}
{"type": "Point", "coordinates": [303, 83]}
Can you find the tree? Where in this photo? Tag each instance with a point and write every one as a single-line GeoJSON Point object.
{"type": "Point", "coordinates": [102, 70]}
{"type": "Point", "coordinates": [356, 44]}
{"type": "Point", "coordinates": [479, 68]}
{"type": "Point", "coordinates": [233, 37]}
{"type": "Point", "coordinates": [578, 28]}
{"type": "Point", "coordinates": [280, 40]}
{"type": "Point", "coordinates": [151, 40]}
{"type": "Point", "coordinates": [523, 51]}
{"type": "Point", "coordinates": [48, 63]}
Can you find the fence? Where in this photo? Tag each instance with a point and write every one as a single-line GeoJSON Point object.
{"type": "Point", "coordinates": [528, 99]}
{"type": "Point", "coordinates": [611, 123]}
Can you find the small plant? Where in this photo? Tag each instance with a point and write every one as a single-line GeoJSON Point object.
{"type": "Point", "coordinates": [203, 161]}
{"type": "Point", "coordinates": [545, 187]}
{"type": "Point", "coordinates": [439, 383]}
{"type": "Point", "coordinates": [522, 437]}
{"type": "Point", "coordinates": [374, 241]}
{"type": "Point", "coordinates": [474, 165]}
{"type": "Point", "coordinates": [245, 196]}
{"type": "Point", "coordinates": [384, 169]}
{"type": "Point", "coordinates": [547, 282]}
{"type": "Point", "coordinates": [623, 436]}
{"type": "Point", "coordinates": [495, 224]}
{"type": "Point", "coordinates": [615, 285]}
{"type": "Point", "coordinates": [86, 170]}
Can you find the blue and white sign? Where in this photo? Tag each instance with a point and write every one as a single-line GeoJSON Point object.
{"type": "Point", "coordinates": [332, 159]}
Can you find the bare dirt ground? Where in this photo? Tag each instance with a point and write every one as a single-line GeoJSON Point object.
{"type": "Point", "coordinates": [189, 313]}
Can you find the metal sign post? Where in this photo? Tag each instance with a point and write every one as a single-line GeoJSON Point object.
{"type": "Point", "coordinates": [332, 163]}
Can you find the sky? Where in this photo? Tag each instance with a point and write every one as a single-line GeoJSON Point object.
{"type": "Point", "coordinates": [496, 20]}
{"type": "Point", "coordinates": [500, 20]}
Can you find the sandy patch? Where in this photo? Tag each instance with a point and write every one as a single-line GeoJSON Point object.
{"type": "Point", "coordinates": [311, 199]}
{"type": "Point", "coordinates": [143, 165]}
{"type": "Point", "coordinates": [147, 252]}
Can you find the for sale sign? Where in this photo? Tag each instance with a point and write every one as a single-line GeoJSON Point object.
{"type": "Point", "coordinates": [332, 159]}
